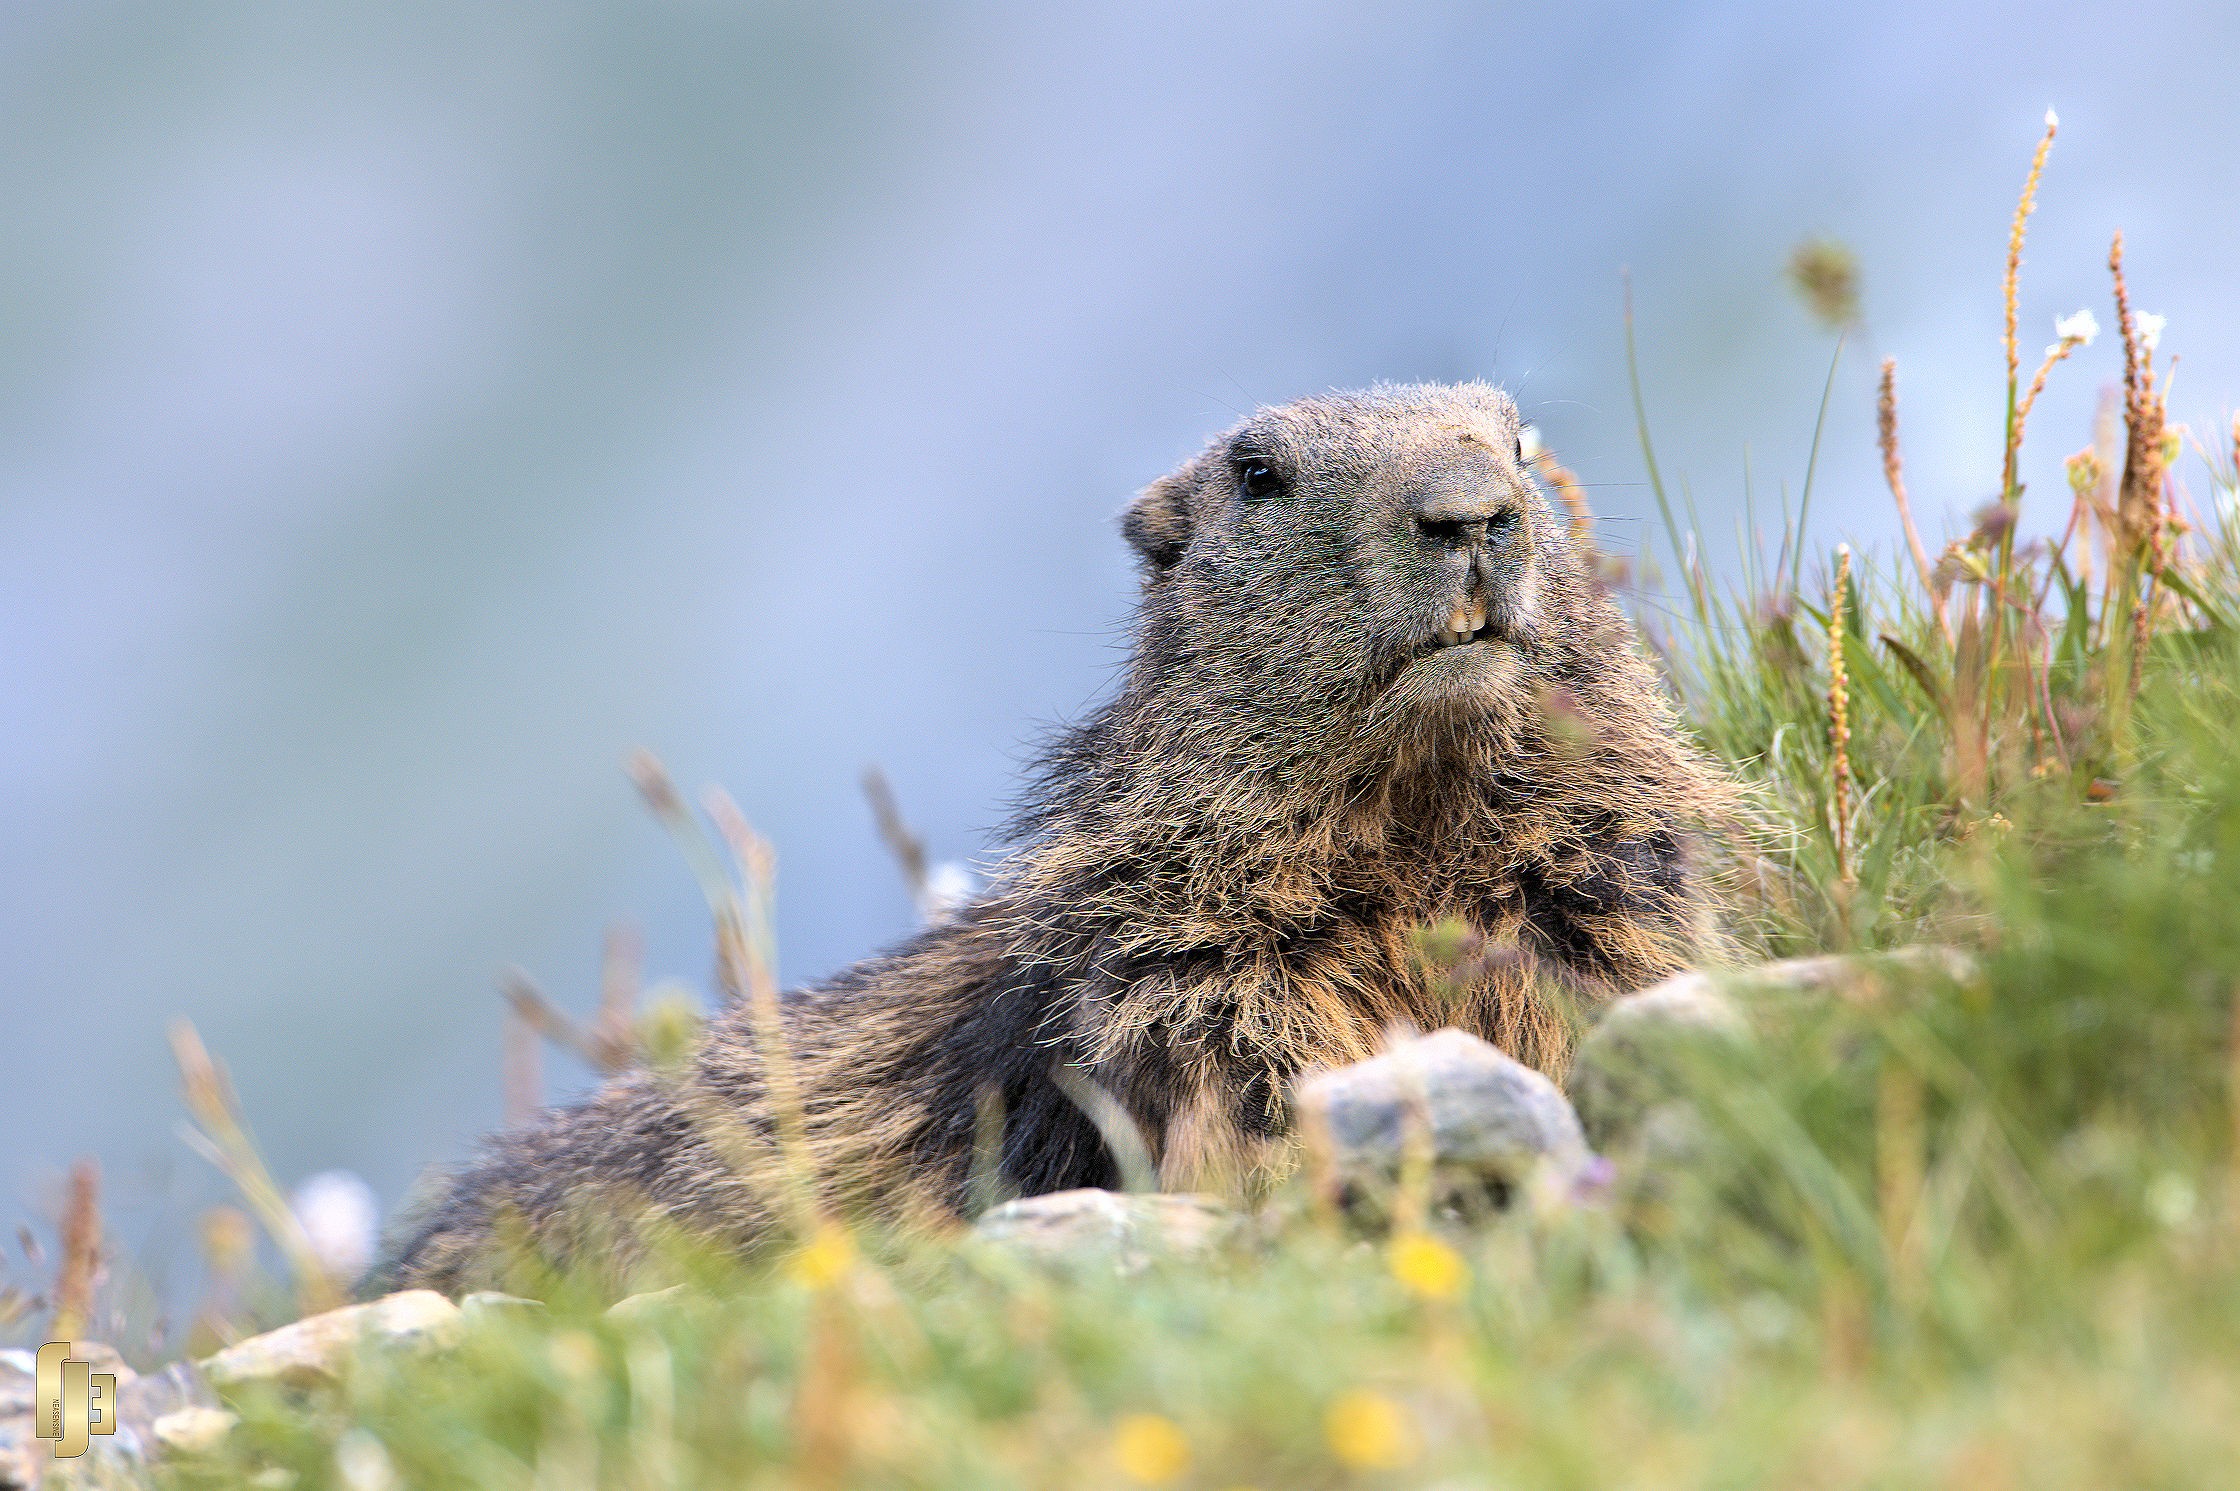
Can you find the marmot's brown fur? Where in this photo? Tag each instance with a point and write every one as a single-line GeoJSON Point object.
{"type": "Point", "coordinates": [1374, 688]}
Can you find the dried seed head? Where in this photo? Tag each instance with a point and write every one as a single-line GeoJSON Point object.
{"type": "Point", "coordinates": [1994, 521]}
{"type": "Point", "coordinates": [1839, 711]}
{"type": "Point", "coordinates": [202, 1081]}
{"type": "Point", "coordinates": [2084, 472]}
{"type": "Point", "coordinates": [654, 784]}
{"type": "Point", "coordinates": [228, 1241]}
{"type": "Point", "coordinates": [1825, 274]}
{"type": "Point", "coordinates": [81, 1252]}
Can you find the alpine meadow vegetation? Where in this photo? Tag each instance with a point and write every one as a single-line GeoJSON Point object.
{"type": "Point", "coordinates": [1970, 1221]}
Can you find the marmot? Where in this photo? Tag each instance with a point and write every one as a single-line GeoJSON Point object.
{"type": "Point", "coordinates": [1375, 687]}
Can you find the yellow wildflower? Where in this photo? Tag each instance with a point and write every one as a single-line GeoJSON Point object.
{"type": "Point", "coordinates": [826, 1259]}
{"type": "Point", "coordinates": [1369, 1431]}
{"type": "Point", "coordinates": [574, 1353]}
{"type": "Point", "coordinates": [1150, 1450]}
{"type": "Point", "coordinates": [1427, 1266]}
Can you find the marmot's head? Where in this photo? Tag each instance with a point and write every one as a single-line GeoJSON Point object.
{"type": "Point", "coordinates": [1386, 549]}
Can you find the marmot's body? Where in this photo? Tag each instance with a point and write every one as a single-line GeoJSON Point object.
{"type": "Point", "coordinates": [1373, 689]}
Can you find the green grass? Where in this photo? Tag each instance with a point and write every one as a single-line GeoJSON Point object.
{"type": "Point", "coordinates": [1982, 1233]}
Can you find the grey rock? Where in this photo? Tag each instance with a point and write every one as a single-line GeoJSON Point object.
{"type": "Point", "coordinates": [1489, 1121]}
{"type": "Point", "coordinates": [317, 1349]}
{"type": "Point", "coordinates": [1631, 1075]}
{"type": "Point", "coordinates": [1123, 1230]}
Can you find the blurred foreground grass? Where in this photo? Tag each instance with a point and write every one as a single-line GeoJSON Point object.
{"type": "Point", "coordinates": [1980, 1233]}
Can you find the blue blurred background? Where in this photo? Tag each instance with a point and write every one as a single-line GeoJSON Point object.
{"type": "Point", "coordinates": [407, 410]}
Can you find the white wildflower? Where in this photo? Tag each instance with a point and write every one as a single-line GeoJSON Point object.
{"type": "Point", "coordinates": [2053, 120]}
{"type": "Point", "coordinates": [2150, 329]}
{"type": "Point", "coordinates": [1528, 440]}
{"type": "Point", "coordinates": [2171, 1199]}
{"type": "Point", "coordinates": [2080, 328]}
{"type": "Point", "coordinates": [363, 1464]}
{"type": "Point", "coordinates": [342, 1220]}
{"type": "Point", "coordinates": [949, 886]}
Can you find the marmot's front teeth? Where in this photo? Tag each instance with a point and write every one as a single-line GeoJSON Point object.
{"type": "Point", "coordinates": [1464, 622]}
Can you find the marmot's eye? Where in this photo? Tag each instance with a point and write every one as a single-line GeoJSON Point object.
{"type": "Point", "coordinates": [1258, 478]}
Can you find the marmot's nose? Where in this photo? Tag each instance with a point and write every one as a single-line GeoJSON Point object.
{"type": "Point", "coordinates": [1458, 517]}
{"type": "Point", "coordinates": [1455, 533]}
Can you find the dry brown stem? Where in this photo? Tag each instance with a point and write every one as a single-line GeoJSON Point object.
{"type": "Point", "coordinates": [1571, 494]}
{"type": "Point", "coordinates": [2058, 352]}
{"type": "Point", "coordinates": [223, 1139]}
{"type": "Point", "coordinates": [908, 849]}
{"type": "Point", "coordinates": [2232, 1101]}
{"type": "Point", "coordinates": [614, 1031]}
{"type": "Point", "coordinates": [1893, 472]}
{"type": "Point", "coordinates": [2011, 288]}
{"type": "Point", "coordinates": [1899, 1166]}
{"type": "Point", "coordinates": [752, 959]}
{"type": "Point", "coordinates": [229, 1250]}
{"type": "Point", "coordinates": [2139, 507]}
{"type": "Point", "coordinates": [540, 1016]}
{"type": "Point", "coordinates": [2141, 514]}
{"type": "Point", "coordinates": [523, 1057]}
{"type": "Point", "coordinates": [81, 1252]}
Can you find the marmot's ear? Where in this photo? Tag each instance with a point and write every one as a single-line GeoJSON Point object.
{"type": "Point", "coordinates": [1158, 522]}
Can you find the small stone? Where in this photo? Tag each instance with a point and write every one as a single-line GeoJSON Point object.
{"type": "Point", "coordinates": [177, 1386]}
{"type": "Point", "coordinates": [651, 1303]}
{"type": "Point", "coordinates": [1862, 977]}
{"type": "Point", "coordinates": [144, 1401]}
{"type": "Point", "coordinates": [18, 1382]}
{"type": "Point", "coordinates": [1689, 999]}
{"type": "Point", "coordinates": [1490, 1120]}
{"type": "Point", "coordinates": [193, 1431]}
{"type": "Point", "coordinates": [315, 1350]}
{"type": "Point", "coordinates": [22, 1455]}
{"type": "Point", "coordinates": [489, 1304]}
{"type": "Point", "coordinates": [1127, 1229]}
